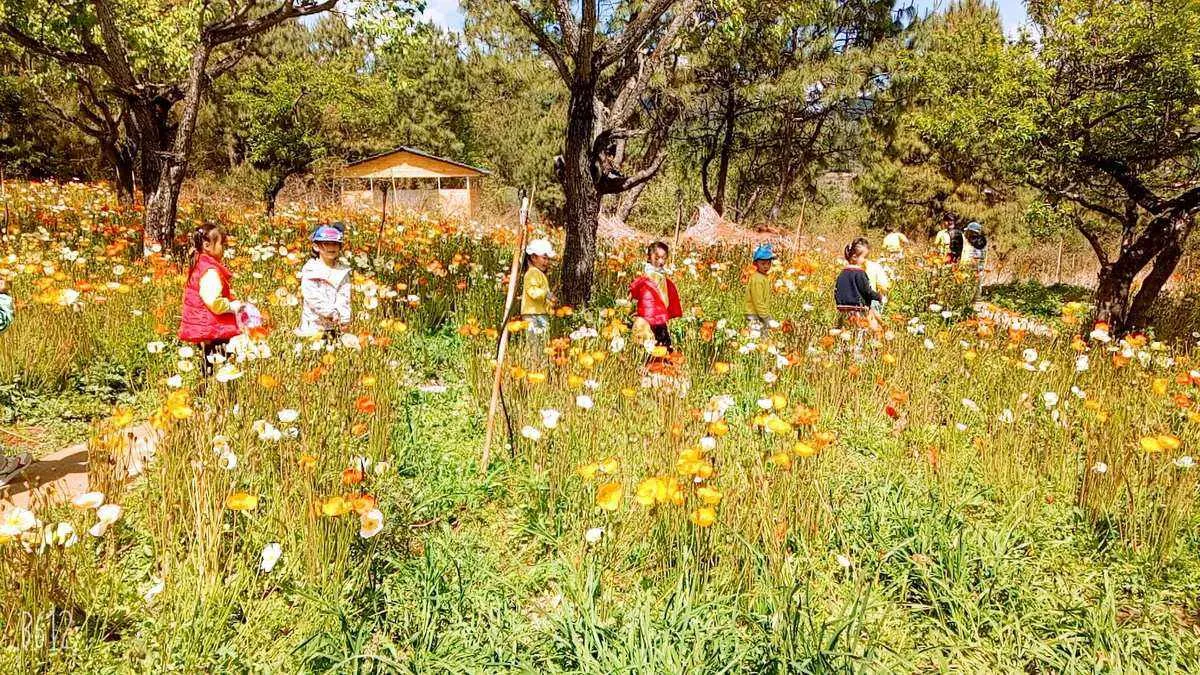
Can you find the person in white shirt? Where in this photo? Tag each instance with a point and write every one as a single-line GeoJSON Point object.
{"type": "Point", "coordinates": [325, 285]}
{"type": "Point", "coordinates": [894, 242]}
{"type": "Point", "coordinates": [880, 280]}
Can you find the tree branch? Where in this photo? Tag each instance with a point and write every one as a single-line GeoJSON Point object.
{"type": "Point", "coordinates": [237, 27]}
{"type": "Point", "coordinates": [1124, 176]}
{"type": "Point", "coordinates": [1093, 238]}
{"type": "Point", "coordinates": [637, 31]}
{"type": "Point", "coordinates": [567, 25]}
{"type": "Point", "coordinates": [1188, 202]}
{"type": "Point", "coordinates": [35, 46]}
{"type": "Point", "coordinates": [548, 46]}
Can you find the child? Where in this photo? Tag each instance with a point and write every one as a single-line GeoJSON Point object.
{"type": "Point", "coordinates": [209, 316]}
{"type": "Point", "coordinates": [536, 298]}
{"type": "Point", "coordinates": [11, 466]}
{"type": "Point", "coordinates": [655, 294]}
{"type": "Point", "coordinates": [880, 280]}
{"type": "Point", "coordinates": [976, 253]}
{"type": "Point", "coordinates": [758, 289]}
{"type": "Point", "coordinates": [325, 286]}
{"type": "Point", "coordinates": [852, 291]}
{"type": "Point", "coordinates": [941, 242]}
{"type": "Point", "coordinates": [6, 306]}
{"type": "Point", "coordinates": [894, 242]}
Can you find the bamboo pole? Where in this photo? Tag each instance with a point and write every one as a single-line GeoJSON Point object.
{"type": "Point", "coordinates": [502, 347]}
{"type": "Point", "coordinates": [800, 221]}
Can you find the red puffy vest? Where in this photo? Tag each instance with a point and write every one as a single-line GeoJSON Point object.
{"type": "Point", "coordinates": [651, 305]}
{"type": "Point", "coordinates": [198, 323]}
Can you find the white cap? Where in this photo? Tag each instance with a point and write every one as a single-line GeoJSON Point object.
{"type": "Point", "coordinates": [540, 247]}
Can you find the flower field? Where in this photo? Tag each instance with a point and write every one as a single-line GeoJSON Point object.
{"type": "Point", "coordinates": [969, 490]}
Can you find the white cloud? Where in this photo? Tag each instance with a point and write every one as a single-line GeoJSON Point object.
{"type": "Point", "coordinates": [444, 13]}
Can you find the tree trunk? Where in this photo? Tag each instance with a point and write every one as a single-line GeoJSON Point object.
{"type": "Point", "coordinates": [627, 200]}
{"type": "Point", "coordinates": [272, 189]}
{"type": "Point", "coordinates": [1112, 293]}
{"type": "Point", "coordinates": [785, 187]}
{"type": "Point", "coordinates": [730, 119]}
{"type": "Point", "coordinates": [1164, 266]}
{"type": "Point", "coordinates": [162, 198]}
{"type": "Point", "coordinates": [582, 208]}
{"type": "Point", "coordinates": [120, 157]}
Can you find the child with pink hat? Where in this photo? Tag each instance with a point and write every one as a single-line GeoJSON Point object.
{"type": "Point", "coordinates": [325, 285]}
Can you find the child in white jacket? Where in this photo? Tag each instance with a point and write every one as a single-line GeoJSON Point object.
{"type": "Point", "coordinates": [325, 285]}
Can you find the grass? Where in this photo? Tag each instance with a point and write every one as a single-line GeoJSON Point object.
{"type": "Point", "coordinates": [926, 507]}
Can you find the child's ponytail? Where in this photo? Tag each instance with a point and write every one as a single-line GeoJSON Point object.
{"type": "Point", "coordinates": [855, 248]}
{"type": "Point", "coordinates": [208, 233]}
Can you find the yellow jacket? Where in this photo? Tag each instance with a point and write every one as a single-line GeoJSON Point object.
{"type": "Point", "coordinates": [535, 289]}
{"type": "Point", "coordinates": [758, 295]}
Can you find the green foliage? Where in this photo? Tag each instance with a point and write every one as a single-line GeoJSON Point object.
{"type": "Point", "coordinates": [1034, 299]}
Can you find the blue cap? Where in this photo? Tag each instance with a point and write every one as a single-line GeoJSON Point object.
{"type": "Point", "coordinates": [974, 227]}
{"type": "Point", "coordinates": [764, 252]}
{"type": "Point", "coordinates": [327, 233]}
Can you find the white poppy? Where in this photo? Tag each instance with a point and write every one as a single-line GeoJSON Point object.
{"type": "Point", "coordinates": [88, 500]}
{"type": "Point", "coordinates": [370, 524]}
{"type": "Point", "coordinates": [270, 556]}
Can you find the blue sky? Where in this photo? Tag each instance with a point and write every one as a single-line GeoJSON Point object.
{"type": "Point", "coordinates": [448, 14]}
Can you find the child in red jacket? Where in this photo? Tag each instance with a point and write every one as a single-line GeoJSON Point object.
{"type": "Point", "coordinates": [655, 294]}
{"type": "Point", "coordinates": [209, 316]}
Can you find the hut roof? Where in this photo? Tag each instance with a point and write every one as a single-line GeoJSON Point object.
{"type": "Point", "coordinates": [405, 162]}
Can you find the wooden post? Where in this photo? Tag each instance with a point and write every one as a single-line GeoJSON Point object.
{"type": "Point", "coordinates": [1058, 265]}
{"type": "Point", "coordinates": [382, 217]}
{"type": "Point", "coordinates": [502, 347]}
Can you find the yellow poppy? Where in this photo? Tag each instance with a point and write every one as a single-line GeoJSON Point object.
{"type": "Point", "coordinates": [1159, 386]}
{"type": "Point", "coordinates": [803, 449]}
{"type": "Point", "coordinates": [336, 506]}
{"type": "Point", "coordinates": [708, 495]}
{"type": "Point", "coordinates": [608, 496]}
{"type": "Point", "coordinates": [703, 516]}
{"type": "Point", "coordinates": [588, 471]}
{"type": "Point", "coordinates": [1169, 441]}
{"type": "Point", "coordinates": [241, 501]}
{"type": "Point", "coordinates": [782, 460]}
{"type": "Point", "coordinates": [648, 491]}
{"type": "Point", "coordinates": [1150, 444]}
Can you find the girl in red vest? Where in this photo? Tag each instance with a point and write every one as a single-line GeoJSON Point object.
{"type": "Point", "coordinates": [209, 317]}
{"type": "Point", "coordinates": [655, 294]}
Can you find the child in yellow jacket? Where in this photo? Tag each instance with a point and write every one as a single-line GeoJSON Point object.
{"type": "Point", "coordinates": [757, 307]}
{"type": "Point", "coordinates": [536, 297]}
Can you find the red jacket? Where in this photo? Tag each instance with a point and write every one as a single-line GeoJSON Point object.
{"type": "Point", "coordinates": [198, 323]}
{"type": "Point", "coordinates": [650, 304]}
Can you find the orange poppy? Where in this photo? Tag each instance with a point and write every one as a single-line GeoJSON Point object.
{"type": "Point", "coordinates": [364, 404]}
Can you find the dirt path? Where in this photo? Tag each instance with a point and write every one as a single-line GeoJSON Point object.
{"type": "Point", "coordinates": [63, 475]}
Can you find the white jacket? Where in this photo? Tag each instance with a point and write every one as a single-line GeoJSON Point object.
{"type": "Point", "coordinates": [326, 293]}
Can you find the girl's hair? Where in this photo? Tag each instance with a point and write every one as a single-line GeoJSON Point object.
{"type": "Point", "coordinates": [856, 248]}
{"type": "Point", "coordinates": [208, 233]}
{"type": "Point", "coordinates": [657, 245]}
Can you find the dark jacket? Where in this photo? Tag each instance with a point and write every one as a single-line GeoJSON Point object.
{"type": "Point", "coordinates": [853, 289]}
{"type": "Point", "coordinates": [956, 243]}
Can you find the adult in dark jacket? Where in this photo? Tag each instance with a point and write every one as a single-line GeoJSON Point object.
{"type": "Point", "coordinates": [956, 244]}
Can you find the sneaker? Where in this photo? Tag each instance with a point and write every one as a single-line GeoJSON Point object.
{"type": "Point", "coordinates": [11, 466]}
